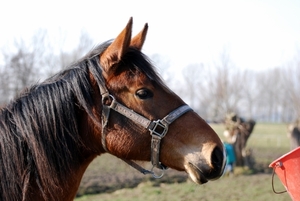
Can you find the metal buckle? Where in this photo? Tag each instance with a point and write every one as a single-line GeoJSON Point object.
{"type": "Point", "coordinates": [158, 129]}
{"type": "Point", "coordinates": [107, 100]}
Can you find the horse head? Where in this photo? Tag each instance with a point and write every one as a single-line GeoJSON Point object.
{"type": "Point", "coordinates": [187, 143]}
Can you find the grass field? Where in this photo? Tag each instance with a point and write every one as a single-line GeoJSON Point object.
{"type": "Point", "coordinates": [268, 142]}
{"type": "Point", "coordinates": [242, 188]}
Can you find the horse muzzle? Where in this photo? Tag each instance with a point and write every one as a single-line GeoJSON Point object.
{"type": "Point", "coordinates": [202, 170]}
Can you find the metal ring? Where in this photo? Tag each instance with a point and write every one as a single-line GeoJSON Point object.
{"type": "Point", "coordinates": [157, 176]}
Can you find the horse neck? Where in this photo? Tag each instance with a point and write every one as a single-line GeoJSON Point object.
{"type": "Point", "coordinates": [67, 187]}
{"type": "Point", "coordinates": [89, 153]}
{"type": "Point", "coordinates": [69, 191]}
{"type": "Point", "coordinates": [66, 192]}
{"type": "Point", "coordinates": [92, 148]}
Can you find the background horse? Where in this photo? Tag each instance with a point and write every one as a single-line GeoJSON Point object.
{"type": "Point", "coordinates": [109, 101]}
{"type": "Point", "coordinates": [237, 133]}
{"type": "Point", "coordinates": [294, 134]}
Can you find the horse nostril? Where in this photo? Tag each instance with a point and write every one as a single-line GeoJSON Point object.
{"type": "Point", "coordinates": [217, 157]}
{"type": "Point", "coordinates": [218, 161]}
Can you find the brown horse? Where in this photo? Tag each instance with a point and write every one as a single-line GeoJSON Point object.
{"type": "Point", "coordinates": [237, 133]}
{"type": "Point", "coordinates": [294, 134]}
{"type": "Point", "coordinates": [109, 101]}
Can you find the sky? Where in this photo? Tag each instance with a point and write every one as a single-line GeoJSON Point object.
{"type": "Point", "coordinates": [257, 34]}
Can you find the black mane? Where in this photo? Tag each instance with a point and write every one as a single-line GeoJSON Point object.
{"type": "Point", "coordinates": [39, 138]}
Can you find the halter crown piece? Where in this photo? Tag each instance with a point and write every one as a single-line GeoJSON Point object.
{"type": "Point", "coordinates": [158, 128]}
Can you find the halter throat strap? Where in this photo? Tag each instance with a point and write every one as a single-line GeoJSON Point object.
{"type": "Point", "coordinates": [158, 129]}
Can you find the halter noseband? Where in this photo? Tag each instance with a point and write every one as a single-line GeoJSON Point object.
{"type": "Point", "coordinates": [158, 128]}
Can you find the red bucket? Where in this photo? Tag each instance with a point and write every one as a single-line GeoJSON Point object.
{"type": "Point", "coordinates": [287, 168]}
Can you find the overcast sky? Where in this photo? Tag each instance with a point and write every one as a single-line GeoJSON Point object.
{"type": "Point", "coordinates": [258, 34]}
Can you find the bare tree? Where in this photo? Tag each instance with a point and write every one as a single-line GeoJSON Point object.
{"type": "Point", "coordinates": [21, 66]}
{"type": "Point", "coordinates": [169, 73]}
{"type": "Point", "coordinates": [213, 90]}
{"type": "Point", "coordinates": [4, 87]}
{"type": "Point", "coordinates": [163, 66]}
{"type": "Point", "coordinates": [85, 44]}
{"type": "Point", "coordinates": [217, 89]}
{"type": "Point", "coordinates": [192, 77]}
{"type": "Point", "coordinates": [62, 59]}
{"type": "Point", "coordinates": [249, 94]}
{"type": "Point", "coordinates": [291, 88]}
{"type": "Point", "coordinates": [275, 88]}
{"type": "Point", "coordinates": [32, 60]}
{"type": "Point", "coordinates": [226, 86]}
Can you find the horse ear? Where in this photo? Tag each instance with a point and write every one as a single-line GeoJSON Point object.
{"type": "Point", "coordinates": [139, 39]}
{"type": "Point", "coordinates": [114, 52]}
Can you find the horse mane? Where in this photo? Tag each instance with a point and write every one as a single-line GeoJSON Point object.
{"type": "Point", "coordinates": [39, 135]}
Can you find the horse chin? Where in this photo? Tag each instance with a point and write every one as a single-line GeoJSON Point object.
{"type": "Point", "coordinates": [195, 174]}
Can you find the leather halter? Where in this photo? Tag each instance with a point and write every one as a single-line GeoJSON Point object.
{"type": "Point", "coordinates": [158, 128]}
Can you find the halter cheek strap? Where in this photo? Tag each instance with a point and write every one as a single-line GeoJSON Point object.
{"type": "Point", "coordinates": [158, 129]}
{"type": "Point", "coordinates": [162, 126]}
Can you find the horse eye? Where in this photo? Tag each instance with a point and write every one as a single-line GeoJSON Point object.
{"type": "Point", "coordinates": [144, 94]}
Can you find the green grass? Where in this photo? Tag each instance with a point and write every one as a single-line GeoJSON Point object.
{"type": "Point", "coordinates": [242, 188]}
{"type": "Point", "coordinates": [267, 143]}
